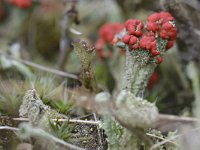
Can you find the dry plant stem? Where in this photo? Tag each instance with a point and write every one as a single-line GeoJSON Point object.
{"type": "Point", "coordinates": [171, 118]}
{"type": "Point", "coordinates": [64, 52]}
{"type": "Point", "coordinates": [8, 128]}
{"type": "Point", "coordinates": [161, 138]}
{"type": "Point", "coordinates": [98, 129]}
{"type": "Point", "coordinates": [154, 147]}
{"type": "Point", "coordinates": [63, 120]}
{"type": "Point", "coordinates": [170, 139]}
{"type": "Point", "coordinates": [168, 123]}
{"type": "Point", "coordinates": [43, 68]}
{"type": "Point", "coordinates": [162, 120]}
{"type": "Point", "coordinates": [65, 41]}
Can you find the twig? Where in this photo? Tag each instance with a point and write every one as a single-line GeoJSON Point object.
{"type": "Point", "coordinates": [8, 128]}
{"type": "Point", "coordinates": [163, 142]}
{"type": "Point", "coordinates": [79, 121]}
{"type": "Point", "coordinates": [163, 120]}
{"type": "Point", "coordinates": [170, 139]}
{"type": "Point", "coordinates": [171, 122]}
{"type": "Point", "coordinates": [63, 120]}
{"type": "Point", "coordinates": [161, 138]}
{"type": "Point", "coordinates": [177, 118]}
{"type": "Point", "coordinates": [64, 42]}
{"type": "Point", "coordinates": [43, 68]}
{"type": "Point", "coordinates": [98, 130]}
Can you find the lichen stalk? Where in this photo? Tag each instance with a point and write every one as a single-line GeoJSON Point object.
{"type": "Point", "coordinates": [141, 79]}
{"type": "Point", "coordinates": [85, 54]}
{"type": "Point", "coordinates": [136, 74]}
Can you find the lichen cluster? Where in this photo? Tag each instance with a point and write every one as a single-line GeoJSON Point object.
{"type": "Point", "coordinates": [145, 45]}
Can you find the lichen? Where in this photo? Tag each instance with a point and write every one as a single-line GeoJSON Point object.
{"type": "Point", "coordinates": [118, 137]}
{"type": "Point", "coordinates": [137, 74]}
{"type": "Point", "coordinates": [37, 112]}
{"type": "Point", "coordinates": [113, 130]}
{"type": "Point", "coordinates": [135, 111]}
{"type": "Point", "coordinates": [85, 54]}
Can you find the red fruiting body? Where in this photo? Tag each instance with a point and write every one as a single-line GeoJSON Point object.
{"type": "Point", "coordinates": [160, 22]}
{"type": "Point", "coordinates": [159, 28]}
{"type": "Point", "coordinates": [169, 45]}
{"type": "Point", "coordinates": [108, 31]}
{"type": "Point", "coordinates": [160, 18]}
{"type": "Point", "coordinates": [22, 3]}
{"type": "Point", "coordinates": [138, 33]}
{"type": "Point", "coordinates": [107, 36]}
{"type": "Point", "coordinates": [166, 17]}
{"type": "Point", "coordinates": [126, 39]}
{"type": "Point", "coordinates": [133, 40]}
{"type": "Point", "coordinates": [148, 42]}
{"type": "Point", "coordinates": [134, 27]}
{"type": "Point", "coordinates": [159, 60]}
{"type": "Point", "coordinates": [155, 53]}
{"type": "Point", "coordinates": [133, 43]}
{"type": "Point", "coordinates": [167, 26]}
{"type": "Point", "coordinates": [150, 33]}
{"type": "Point", "coordinates": [153, 18]}
{"type": "Point", "coordinates": [152, 26]}
{"type": "Point", "coordinates": [168, 31]}
{"type": "Point", "coordinates": [134, 47]}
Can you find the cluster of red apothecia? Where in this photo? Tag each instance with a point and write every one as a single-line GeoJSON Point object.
{"type": "Point", "coordinates": [24, 4]}
{"type": "Point", "coordinates": [158, 25]}
{"type": "Point", "coordinates": [107, 33]}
